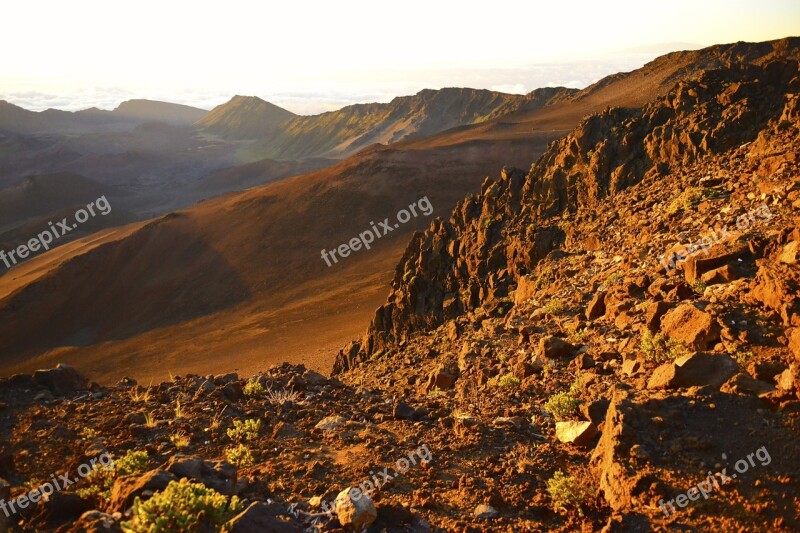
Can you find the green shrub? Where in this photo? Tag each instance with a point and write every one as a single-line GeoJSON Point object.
{"type": "Point", "coordinates": [507, 381]}
{"type": "Point", "coordinates": [245, 431]}
{"type": "Point", "coordinates": [567, 492]}
{"type": "Point", "coordinates": [182, 506]}
{"type": "Point", "coordinates": [254, 388]}
{"type": "Point", "coordinates": [659, 348]}
{"type": "Point", "coordinates": [554, 307]}
{"type": "Point", "coordinates": [562, 405]}
{"type": "Point", "coordinates": [240, 456]}
{"type": "Point", "coordinates": [699, 286]}
{"type": "Point", "coordinates": [101, 479]}
{"type": "Point", "coordinates": [689, 198]}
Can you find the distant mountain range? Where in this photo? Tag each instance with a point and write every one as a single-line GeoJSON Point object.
{"type": "Point", "coordinates": [14, 119]}
{"type": "Point", "coordinates": [283, 135]}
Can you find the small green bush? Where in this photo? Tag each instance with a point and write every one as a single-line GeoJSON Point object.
{"type": "Point", "coordinates": [659, 348]}
{"type": "Point", "coordinates": [182, 506]}
{"type": "Point", "coordinates": [240, 456]}
{"type": "Point", "coordinates": [101, 479]}
{"type": "Point", "coordinates": [254, 388]}
{"type": "Point", "coordinates": [567, 492]}
{"type": "Point", "coordinates": [563, 405]}
{"type": "Point", "coordinates": [508, 381]}
{"type": "Point", "coordinates": [689, 198]}
{"type": "Point", "coordinates": [699, 286]}
{"type": "Point", "coordinates": [245, 431]}
{"type": "Point", "coordinates": [554, 307]}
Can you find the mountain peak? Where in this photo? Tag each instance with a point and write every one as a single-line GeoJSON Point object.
{"type": "Point", "coordinates": [244, 117]}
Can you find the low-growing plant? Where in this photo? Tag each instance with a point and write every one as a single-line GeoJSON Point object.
{"type": "Point", "coordinates": [101, 479]}
{"type": "Point", "coordinates": [280, 397]}
{"type": "Point", "coordinates": [149, 420]}
{"type": "Point", "coordinates": [660, 348]}
{"type": "Point", "coordinates": [243, 431]}
{"type": "Point", "coordinates": [216, 420]}
{"type": "Point", "coordinates": [137, 394]}
{"type": "Point", "coordinates": [699, 286]}
{"type": "Point", "coordinates": [554, 307]}
{"type": "Point", "coordinates": [254, 388]}
{"type": "Point", "coordinates": [507, 381]}
{"type": "Point", "coordinates": [568, 492]}
{"type": "Point", "coordinates": [182, 506]}
{"type": "Point", "coordinates": [89, 433]}
{"type": "Point", "coordinates": [239, 455]}
{"type": "Point", "coordinates": [689, 198]}
{"type": "Point", "coordinates": [743, 357]}
{"type": "Point", "coordinates": [178, 409]}
{"type": "Point", "coordinates": [180, 440]}
{"type": "Point", "coordinates": [562, 406]}
{"type": "Point", "coordinates": [580, 335]}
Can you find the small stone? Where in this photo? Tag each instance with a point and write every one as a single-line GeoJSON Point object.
{"type": "Point", "coordinates": [577, 433]}
{"type": "Point", "coordinates": [330, 423]}
{"type": "Point", "coordinates": [485, 511]}
{"type": "Point", "coordinates": [789, 253]}
{"type": "Point", "coordinates": [355, 509]}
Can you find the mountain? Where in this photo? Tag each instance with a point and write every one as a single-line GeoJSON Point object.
{"type": "Point", "coordinates": [244, 117]}
{"type": "Point", "coordinates": [129, 114]}
{"type": "Point", "coordinates": [255, 256]}
{"type": "Point", "coordinates": [344, 132]}
{"type": "Point", "coordinates": [154, 111]}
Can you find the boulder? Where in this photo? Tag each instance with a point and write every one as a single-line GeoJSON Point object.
{"type": "Point", "coordinates": [691, 326]}
{"type": "Point", "coordinates": [62, 380]}
{"type": "Point", "coordinates": [444, 377]}
{"type": "Point", "coordinates": [355, 510]}
{"type": "Point", "coordinates": [723, 274]}
{"type": "Point", "coordinates": [655, 312]}
{"type": "Point", "coordinates": [331, 423]}
{"type": "Point", "coordinates": [703, 261]}
{"type": "Point", "coordinates": [694, 370]}
{"type": "Point", "coordinates": [577, 433]}
{"type": "Point", "coordinates": [597, 306]}
{"type": "Point", "coordinates": [552, 347]}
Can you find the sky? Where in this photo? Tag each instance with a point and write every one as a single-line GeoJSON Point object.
{"type": "Point", "coordinates": [316, 56]}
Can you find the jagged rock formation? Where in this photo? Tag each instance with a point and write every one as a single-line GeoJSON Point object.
{"type": "Point", "coordinates": [494, 238]}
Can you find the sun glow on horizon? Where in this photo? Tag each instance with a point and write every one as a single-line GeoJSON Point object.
{"type": "Point", "coordinates": [314, 57]}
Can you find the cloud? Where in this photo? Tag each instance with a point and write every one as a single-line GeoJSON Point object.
{"type": "Point", "coordinates": [331, 93]}
{"type": "Point", "coordinates": [516, 88]}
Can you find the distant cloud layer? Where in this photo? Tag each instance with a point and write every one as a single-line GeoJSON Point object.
{"type": "Point", "coordinates": [319, 97]}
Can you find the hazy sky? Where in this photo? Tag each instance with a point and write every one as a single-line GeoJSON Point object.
{"type": "Point", "coordinates": [311, 56]}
